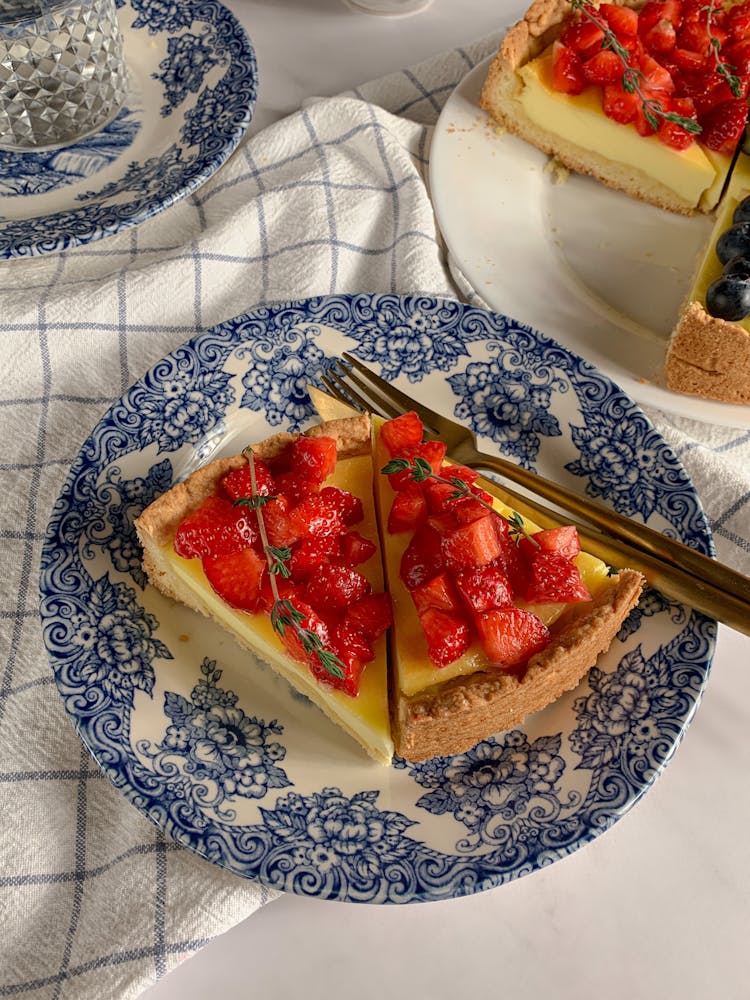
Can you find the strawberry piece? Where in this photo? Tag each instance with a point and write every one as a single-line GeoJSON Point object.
{"type": "Point", "coordinates": [335, 586]}
{"type": "Point", "coordinates": [295, 487]}
{"type": "Point", "coordinates": [603, 67]}
{"type": "Point", "coordinates": [440, 497]}
{"type": "Point", "coordinates": [693, 63]}
{"type": "Point", "coordinates": [437, 592]}
{"type": "Point", "coordinates": [287, 588]}
{"type": "Point", "coordinates": [738, 25]}
{"type": "Point", "coordinates": [349, 507]}
{"type": "Point", "coordinates": [622, 20]}
{"type": "Point", "coordinates": [310, 622]}
{"type": "Point", "coordinates": [402, 433]}
{"type": "Point", "coordinates": [655, 76]}
{"type": "Point", "coordinates": [315, 515]}
{"type": "Point", "coordinates": [693, 37]}
{"type": "Point", "coordinates": [472, 544]}
{"type": "Point", "coordinates": [236, 577]}
{"type": "Point", "coordinates": [353, 651]}
{"type": "Point", "coordinates": [581, 35]}
{"type": "Point", "coordinates": [371, 615]}
{"type": "Point", "coordinates": [313, 457]}
{"type": "Point", "coordinates": [423, 557]}
{"type": "Point", "coordinates": [276, 518]}
{"type": "Point", "coordinates": [215, 528]}
{"type": "Point", "coordinates": [563, 540]}
{"type": "Point", "coordinates": [452, 470]}
{"type": "Point", "coordinates": [671, 133]}
{"type": "Point", "coordinates": [484, 587]}
{"type": "Point", "coordinates": [467, 509]}
{"type": "Point", "coordinates": [567, 70]}
{"type": "Point", "coordinates": [737, 54]}
{"type": "Point", "coordinates": [432, 452]}
{"type": "Point", "coordinates": [510, 636]}
{"type": "Point", "coordinates": [448, 636]}
{"type": "Point", "coordinates": [408, 510]}
{"type": "Point", "coordinates": [310, 554]}
{"type": "Point", "coordinates": [723, 125]}
{"type": "Point", "coordinates": [619, 105]}
{"type": "Point", "coordinates": [553, 579]}
{"type": "Point", "coordinates": [354, 548]}
{"type": "Point", "coordinates": [661, 38]}
{"type": "Point", "coordinates": [238, 482]}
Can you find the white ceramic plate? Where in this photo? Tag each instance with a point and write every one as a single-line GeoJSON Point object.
{"type": "Point", "coordinates": [222, 755]}
{"type": "Point", "coordinates": [600, 272]}
{"type": "Point", "coordinates": [191, 94]}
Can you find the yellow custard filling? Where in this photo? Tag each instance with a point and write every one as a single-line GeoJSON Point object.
{"type": "Point", "coordinates": [414, 671]}
{"type": "Point", "coordinates": [696, 175]}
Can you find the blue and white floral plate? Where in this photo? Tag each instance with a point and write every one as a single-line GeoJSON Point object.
{"type": "Point", "coordinates": [193, 82]}
{"type": "Point", "coordinates": [222, 755]}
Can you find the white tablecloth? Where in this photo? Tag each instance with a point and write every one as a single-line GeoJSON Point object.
{"type": "Point", "coordinates": [94, 901]}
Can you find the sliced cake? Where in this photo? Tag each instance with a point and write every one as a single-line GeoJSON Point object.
{"type": "Point", "coordinates": [648, 98]}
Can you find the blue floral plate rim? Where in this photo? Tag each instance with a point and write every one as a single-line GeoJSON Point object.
{"type": "Point", "coordinates": [192, 94]}
{"type": "Point", "coordinates": [229, 762]}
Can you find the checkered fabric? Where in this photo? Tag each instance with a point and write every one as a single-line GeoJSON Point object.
{"type": "Point", "coordinates": [94, 901]}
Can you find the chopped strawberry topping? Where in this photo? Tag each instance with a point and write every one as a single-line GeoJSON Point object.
{"type": "Point", "coordinates": [408, 510]}
{"type": "Point", "coordinates": [402, 433]}
{"type": "Point", "coordinates": [335, 586]}
{"type": "Point", "coordinates": [371, 615]}
{"type": "Point", "coordinates": [355, 549]}
{"type": "Point", "coordinates": [511, 635]}
{"type": "Point", "coordinates": [438, 592]}
{"type": "Point", "coordinates": [563, 540]}
{"type": "Point", "coordinates": [724, 124]}
{"type": "Point", "coordinates": [472, 544]}
{"type": "Point", "coordinates": [552, 578]}
{"type": "Point", "coordinates": [567, 70]}
{"type": "Point", "coordinates": [448, 635]}
{"type": "Point", "coordinates": [484, 587]}
{"type": "Point", "coordinates": [345, 503]}
{"type": "Point", "coordinates": [313, 457]}
{"type": "Point", "coordinates": [238, 482]}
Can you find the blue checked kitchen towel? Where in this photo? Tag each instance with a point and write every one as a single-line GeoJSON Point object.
{"type": "Point", "coordinates": [94, 901]}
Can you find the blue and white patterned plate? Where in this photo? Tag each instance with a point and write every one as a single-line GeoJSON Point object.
{"type": "Point", "coordinates": [222, 755]}
{"type": "Point", "coordinates": [193, 82]}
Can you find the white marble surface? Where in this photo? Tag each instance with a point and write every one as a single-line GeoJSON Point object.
{"type": "Point", "coordinates": [658, 907]}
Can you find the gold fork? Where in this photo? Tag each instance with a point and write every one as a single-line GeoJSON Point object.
{"type": "Point", "coordinates": [670, 566]}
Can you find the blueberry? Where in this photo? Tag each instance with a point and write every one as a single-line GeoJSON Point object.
{"type": "Point", "coordinates": [739, 267]}
{"type": "Point", "coordinates": [734, 242]}
{"type": "Point", "coordinates": [742, 212]}
{"type": "Point", "coordinates": [728, 298]}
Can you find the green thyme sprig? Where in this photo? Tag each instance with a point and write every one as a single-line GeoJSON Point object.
{"type": "Point", "coordinates": [722, 68]}
{"type": "Point", "coordinates": [632, 78]}
{"type": "Point", "coordinates": [284, 614]}
{"type": "Point", "coordinates": [421, 470]}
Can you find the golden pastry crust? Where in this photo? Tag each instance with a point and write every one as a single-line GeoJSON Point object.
{"type": "Point", "coordinates": [709, 357]}
{"type": "Point", "coordinates": [541, 25]}
{"type": "Point", "coordinates": [453, 717]}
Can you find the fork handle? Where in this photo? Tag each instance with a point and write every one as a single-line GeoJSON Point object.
{"type": "Point", "coordinates": [669, 580]}
{"type": "Point", "coordinates": [642, 538]}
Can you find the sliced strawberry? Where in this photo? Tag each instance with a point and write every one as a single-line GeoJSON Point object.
{"type": "Point", "coordinates": [354, 548]}
{"type": "Point", "coordinates": [335, 586]}
{"type": "Point", "coordinates": [288, 590]}
{"type": "Point", "coordinates": [553, 579]}
{"type": "Point", "coordinates": [402, 433]}
{"type": "Point", "coordinates": [452, 470]}
{"type": "Point", "coordinates": [673, 134]}
{"type": "Point", "coordinates": [238, 482]}
{"type": "Point", "coordinates": [510, 636]}
{"type": "Point", "coordinates": [655, 11]}
{"type": "Point", "coordinates": [309, 622]}
{"type": "Point", "coordinates": [371, 615]}
{"type": "Point", "coordinates": [423, 557]}
{"type": "Point", "coordinates": [661, 38]}
{"type": "Point", "coordinates": [622, 20]}
{"type": "Point", "coordinates": [620, 105]}
{"type": "Point", "coordinates": [567, 70]}
{"type": "Point", "coordinates": [472, 544]}
{"type": "Point", "coordinates": [310, 554]}
{"type": "Point", "coordinates": [347, 504]}
{"type": "Point", "coordinates": [408, 510]}
{"type": "Point", "coordinates": [315, 515]}
{"type": "Point", "coordinates": [603, 67]}
{"type": "Point", "coordinates": [693, 37]}
{"type": "Point", "coordinates": [484, 587]}
{"type": "Point", "coordinates": [738, 24]}
{"type": "Point", "coordinates": [723, 126]}
{"type": "Point", "coordinates": [440, 497]}
{"type": "Point", "coordinates": [448, 636]}
{"type": "Point", "coordinates": [693, 63]}
{"type": "Point", "coordinates": [215, 528]}
{"type": "Point", "coordinates": [433, 452]}
{"type": "Point", "coordinates": [236, 577]}
{"type": "Point", "coordinates": [563, 540]}
{"type": "Point", "coordinates": [467, 509]}
{"type": "Point", "coordinates": [280, 530]}
{"type": "Point", "coordinates": [353, 651]}
{"type": "Point", "coordinates": [313, 457]}
{"type": "Point", "coordinates": [581, 35]}
{"type": "Point", "coordinates": [438, 592]}
{"type": "Point", "coordinates": [296, 487]}
{"type": "Point", "coordinates": [655, 76]}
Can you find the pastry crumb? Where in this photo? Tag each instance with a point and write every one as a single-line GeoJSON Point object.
{"type": "Point", "coordinates": [558, 172]}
